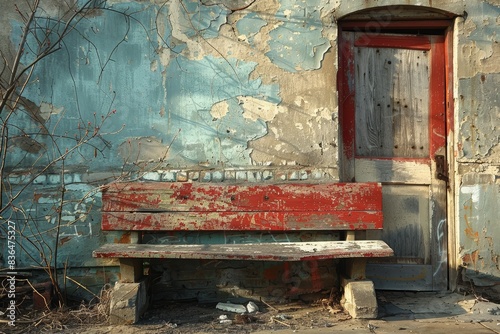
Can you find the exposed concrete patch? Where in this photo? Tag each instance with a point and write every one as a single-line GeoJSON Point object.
{"type": "Point", "coordinates": [305, 133]}
{"type": "Point", "coordinates": [479, 45]}
{"type": "Point", "coordinates": [478, 127]}
{"type": "Point", "coordinates": [480, 59]}
{"type": "Point", "coordinates": [193, 49]}
{"type": "Point", "coordinates": [143, 149]}
{"type": "Point", "coordinates": [290, 140]}
{"type": "Point", "coordinates": [255, 109]}
{"type": "Point", "coordinates": [47, 110]}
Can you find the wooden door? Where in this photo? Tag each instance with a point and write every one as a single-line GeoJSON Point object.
{"type": "Point", "coordinates": [392, 112]}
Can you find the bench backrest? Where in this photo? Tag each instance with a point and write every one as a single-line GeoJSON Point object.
{"type": "Point", "coordinates": [171, 206]}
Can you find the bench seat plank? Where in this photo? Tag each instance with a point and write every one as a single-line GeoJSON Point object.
{"type": "Point", "coordinates": [288, 251]}
{"type": "Point", "coordinates": [242, 221]}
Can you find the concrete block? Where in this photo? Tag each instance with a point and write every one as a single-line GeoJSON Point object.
{"type": "Point", "coordinates": [151, 176]}
{"type": "Point", "coordinates": [280, 176]}
{"type": "Point", "coordinates": [205, 176]}
{"type": "Point", "coordinates": [359, 299]}
{"type": "Point", "coordinates": [229, 175]}
{"type": "Point", "coordinates": [241, 175]}
{"type": "Point", "coordinates": [128, 302]}
{"type": "Point", "coordinates": [169, 176]}
{"type": "Point", "coordinates": [40, 179]}
{"type": "Point", "coordinates": [182, 176]}
{"type": "Point", "coordinates": [218, 176]}
{"type": "Point", "coordinates": [267, 175]}
{"type": "Point", "coordinates": [254, 176]}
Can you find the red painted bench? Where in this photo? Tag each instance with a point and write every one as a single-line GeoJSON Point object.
{"type": "Point", "coordinates": [184, 206]}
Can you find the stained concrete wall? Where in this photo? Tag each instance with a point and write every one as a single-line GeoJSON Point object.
{"type": "Point", "coordinates": [223, 91]}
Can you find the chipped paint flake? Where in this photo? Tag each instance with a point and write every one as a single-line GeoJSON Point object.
{"type": "Point", "coordinates": [249, 26]}
{"type": "Point", "coordinates": [47, 110]}
{"type": "Point", "coordinates": [220, 109]}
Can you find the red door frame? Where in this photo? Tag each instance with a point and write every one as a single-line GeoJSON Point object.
{"type": "Point", "coordinates": [441, 67]}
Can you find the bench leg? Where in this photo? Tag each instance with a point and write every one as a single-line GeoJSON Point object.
{"type": "Point", "coordinates": [131, 270]}
{"type": "Point", "coordinates": [359, 298]}
{"type": "Point", "coordinates": [130, 296]}
{"type": "Point", "coordinates": [355, 268]}
{"type": "Point", "coordinates": [128, 302]}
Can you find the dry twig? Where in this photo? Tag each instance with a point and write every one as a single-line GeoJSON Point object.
{"type": "Point", "coordinates": [269, 305]}
{"type": "Point", "coordinates": [280, 322]}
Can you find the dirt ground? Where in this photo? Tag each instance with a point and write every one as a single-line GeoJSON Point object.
{"type": "Point", "coordinates": [193, 318]}
{"type": "Point", "coordinates": [188, 317]}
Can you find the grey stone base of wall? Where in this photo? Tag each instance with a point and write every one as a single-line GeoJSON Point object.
{"type": "Point", "coordinates": [359, 299]}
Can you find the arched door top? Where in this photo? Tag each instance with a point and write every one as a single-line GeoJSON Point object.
{"type": "Point", "coordinates": [366, 12]}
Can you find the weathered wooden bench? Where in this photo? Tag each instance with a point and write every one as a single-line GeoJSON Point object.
{"type": "Point", "coordinates": [185, 206]}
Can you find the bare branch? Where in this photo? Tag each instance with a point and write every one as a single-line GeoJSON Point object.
{"type": "Point", "coordinates": [17, 60]}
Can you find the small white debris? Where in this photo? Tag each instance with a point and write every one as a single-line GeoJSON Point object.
{"type": "Point", "coordinates": [283, 316]}
{"type": "Point", "coordinates": [230, 307]}
{"type": "Point", "coordinates": [171, 325]}
{"type": "Point", "coordinates": [252, 307]}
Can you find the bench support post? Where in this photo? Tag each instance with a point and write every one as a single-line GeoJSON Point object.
{"type": "Point", "coordinates": [130, 270]}
{"type": "Point", "coordinates": [359, 298]}
{"type": "Point", "coordinates": [355, 268]}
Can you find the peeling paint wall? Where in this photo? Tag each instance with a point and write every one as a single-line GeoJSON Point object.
{"type": "Point", "coordinates": [477, 119]}
{"type": "Point", "coordinates": [232, 90]}
{"type": "Point", "coordinates": [170, 70]}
